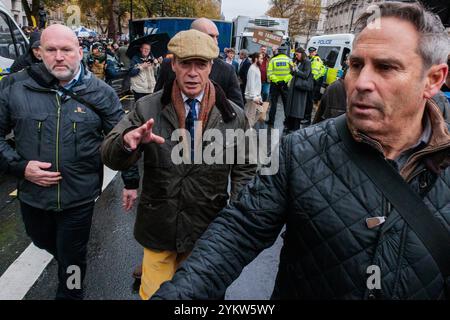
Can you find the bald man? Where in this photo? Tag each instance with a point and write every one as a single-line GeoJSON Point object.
{"type": "Point", "coordinates": [221, 73]}
{"type": "Point", "coordinates": [59, 112]}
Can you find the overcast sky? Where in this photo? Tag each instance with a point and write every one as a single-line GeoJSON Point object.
{"type": "Point", "coordinates": [252, 8]}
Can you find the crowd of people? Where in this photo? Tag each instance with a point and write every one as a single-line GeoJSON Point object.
{"type": "Point", "coordinates": [200, 224]}
{"type": "Point", "coordinates": [297, 79]}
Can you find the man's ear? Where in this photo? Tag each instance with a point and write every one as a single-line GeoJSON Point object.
{"type": "Point", "coordinates": [435, 78]}
{"type": "Point", "coordinates": [172, 63]}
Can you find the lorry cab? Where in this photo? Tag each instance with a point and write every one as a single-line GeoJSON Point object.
{"type": "Point", "coordinates": [244, 28]}
{"type": "Point", "coordinates": [172, 25]}
{"type": "Point", "coordinates": [247, 43]}
{"type": "Point", "coordinates": [13, 42]}
{"type": "Point", "coordinates": [333, 50]}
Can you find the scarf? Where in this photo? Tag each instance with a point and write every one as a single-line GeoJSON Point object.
{"type": "Point", "coordinates": [207, 103]}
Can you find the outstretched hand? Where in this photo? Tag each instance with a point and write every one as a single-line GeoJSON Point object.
{"type": "Point", "coordinates": [143, 134]}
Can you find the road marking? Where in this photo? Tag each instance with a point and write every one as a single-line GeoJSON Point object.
{"type": "Point", "coordinates": [108, 175]}
{"type": "Point", "coordinates": [21, 275]}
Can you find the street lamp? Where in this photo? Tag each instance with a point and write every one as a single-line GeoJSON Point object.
{"type": "Point", "coordinates": [131, 10]}
{"type": "Point", "coordinates": [354, 6]}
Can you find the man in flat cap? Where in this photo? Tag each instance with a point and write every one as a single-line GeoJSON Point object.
{"type": "Point", "coordinates": [179, 199]}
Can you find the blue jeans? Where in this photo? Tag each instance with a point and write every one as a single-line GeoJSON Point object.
{"type": "Point", "coordinates": [265, 89]}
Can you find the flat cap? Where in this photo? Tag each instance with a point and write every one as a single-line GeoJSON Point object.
{"type": "Point", "coordinates": [311, 49]}
{"type": "Point", "coordinates": [193, 44]}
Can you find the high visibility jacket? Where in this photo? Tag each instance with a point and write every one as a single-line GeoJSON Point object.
{"type": "Point", "coordinates": [279, 69]}
{"type": "Point", "coordinates": [318, 68]}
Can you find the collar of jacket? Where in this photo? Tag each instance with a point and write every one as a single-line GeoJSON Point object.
{"type": "Point", "coordinates": [436, 155]}
{"type": "Point", "coordinates": [222, 103]}
{"type": "Point", "coordinates": [42, 80]}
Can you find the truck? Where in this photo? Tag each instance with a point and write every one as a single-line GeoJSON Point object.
{"type": "Point", "coordinates": [173, 25]}
{"type": "Point", "coordinates": [244, 28]}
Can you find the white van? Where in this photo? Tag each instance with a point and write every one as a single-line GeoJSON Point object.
{"type": "Point", "coordinates": [332, 49]}
{"type": "Point", "coordinates": [13, 42]}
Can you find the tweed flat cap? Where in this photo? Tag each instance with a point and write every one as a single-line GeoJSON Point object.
{"type": "Point", "coordinates": [193, 44]}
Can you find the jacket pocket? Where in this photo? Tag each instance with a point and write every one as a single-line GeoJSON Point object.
{"type": "Point", "coordinates": [84, 136]}
{"type": "Point", "coordinates": [29, 132]}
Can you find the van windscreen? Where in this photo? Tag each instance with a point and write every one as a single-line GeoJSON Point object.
{"type": "Point", "coordinates": [329, 55]}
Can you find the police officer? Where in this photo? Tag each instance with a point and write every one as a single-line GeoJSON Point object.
{"type": "Point", "coordinates": [278, 74]}
{"type": "Point", "coordinates": [318, 70]}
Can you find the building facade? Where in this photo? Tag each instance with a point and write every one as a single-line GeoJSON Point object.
{"type": "Point", "coordinates": [15, 6]}
{"type": "Point", "coordinates": [342, 14]}
{"type": "Point", "coordinates": [18, 13]}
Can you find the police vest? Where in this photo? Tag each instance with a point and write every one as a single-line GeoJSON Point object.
{"type": "Point", "coordinates": [318, 69]}
{"type": "Point", "coordinates": [279, 69]}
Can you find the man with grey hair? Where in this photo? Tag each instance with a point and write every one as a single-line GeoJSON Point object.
{"type": "Point", "coordinates": [59, 112]}
{"type": "Point", "coordinates": [244, 65]}
{"type": "Point", "coordinates": [365, 197]}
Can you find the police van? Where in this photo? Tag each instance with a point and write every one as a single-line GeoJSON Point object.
{"type": "Point", "coordinates": [13, 42]}
{"type": "Point", "coordinates": [332, 49]}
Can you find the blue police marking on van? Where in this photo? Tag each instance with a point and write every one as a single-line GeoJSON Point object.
{"type": "Point", "coordinates": [325, 41]}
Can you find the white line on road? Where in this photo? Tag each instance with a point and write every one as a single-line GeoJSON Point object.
{"type": "Point", "coordinates": [21, 275]}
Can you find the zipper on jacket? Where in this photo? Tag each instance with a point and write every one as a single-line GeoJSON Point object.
{"type": "Point", "coordinates": [39, 137]}
{"type": "Point", "coordinates": [75, 138]}
{"type": "Point", "coordinates": [58, 120]}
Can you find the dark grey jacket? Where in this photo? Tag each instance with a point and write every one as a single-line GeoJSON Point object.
{"type": "Point", "coordinates": [57, 129]}
{"type": "Point", "coordinates": [324, 199]}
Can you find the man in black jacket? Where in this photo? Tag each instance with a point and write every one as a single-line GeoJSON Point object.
{"type": "Point", "coordinates": [344, 239]}
{"type": "Point", "coordinates": [243, 70]}
{"type": "Point", "coordinates": [222, 73]}
{"type": "Point", "coordinates": [59, 112]}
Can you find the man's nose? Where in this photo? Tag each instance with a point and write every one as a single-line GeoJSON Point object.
{"type": "Point", "coordinates": [59, 55]}
{"type": "Point", "coordinates": [192, 72]}
{"type": "Point", "coordinates": [365, 79]}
